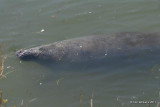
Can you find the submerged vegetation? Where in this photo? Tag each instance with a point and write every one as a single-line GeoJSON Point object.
{"type": "Point", "coordinates": [2, 101]}
{"type": "Point", "coordinates": [2, 74]}
{"type": "Point", "coordinates": [2, 61]}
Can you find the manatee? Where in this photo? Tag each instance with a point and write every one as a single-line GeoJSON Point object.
{"type": "Point", "coordinates": [95, 47]}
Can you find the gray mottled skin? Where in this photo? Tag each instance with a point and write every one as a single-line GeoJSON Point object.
{"type": "Point", "coordinates": [93, 47]}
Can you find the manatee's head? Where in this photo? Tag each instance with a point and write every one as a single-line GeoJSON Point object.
{"type": "Point", "coordinates": [28, 54]}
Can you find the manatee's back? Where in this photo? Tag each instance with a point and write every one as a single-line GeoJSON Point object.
{"type": "Point", "coordinates": [101, 46]}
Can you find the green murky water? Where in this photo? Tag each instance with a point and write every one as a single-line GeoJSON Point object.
{"type": "Point", "coordinates": [35, 85]}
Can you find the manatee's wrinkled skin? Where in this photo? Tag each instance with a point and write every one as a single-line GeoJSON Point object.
{"type": "Point", "coordinates": [94, 47]}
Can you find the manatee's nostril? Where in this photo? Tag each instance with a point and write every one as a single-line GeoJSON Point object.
{"type": "Point", "coordinates": [19, 53]}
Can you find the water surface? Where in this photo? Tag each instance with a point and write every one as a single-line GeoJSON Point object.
{"type": "Point", "coordinates": [114, 85]}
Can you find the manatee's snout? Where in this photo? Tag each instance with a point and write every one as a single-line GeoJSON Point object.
{"type": "Point", "coordinates": [26, 54]}
{"type": "Point", "coordinates": [19, 53]}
